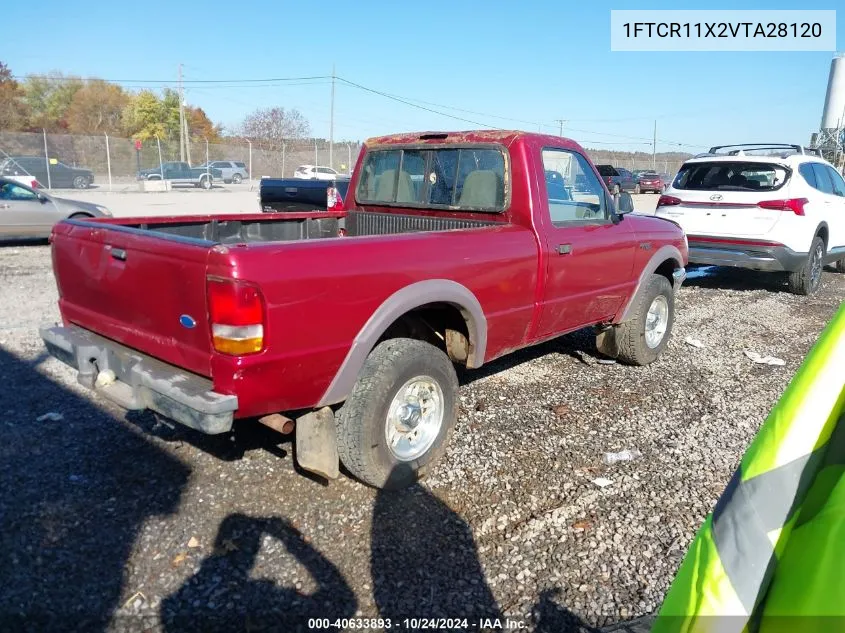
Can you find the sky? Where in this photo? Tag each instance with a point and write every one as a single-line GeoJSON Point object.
{"type": "Point", "coordinates": [513, 65]}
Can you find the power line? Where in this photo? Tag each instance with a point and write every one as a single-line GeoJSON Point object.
{"type": "Point", "coordinates": [174, 82]}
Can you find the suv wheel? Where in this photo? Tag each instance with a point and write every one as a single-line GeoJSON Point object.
{"type": "Point", "coordinates": [237, 178]}
{"type": "Point", "coordinates": [400, 414]}
{"type": "Point", "coordinates": [641, 339]}
{"type": "Point", "coordinates": [808, 278]}
{"type": "Point", "coordinates": [80, 182]}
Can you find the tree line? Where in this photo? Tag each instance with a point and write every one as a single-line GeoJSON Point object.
{"type": "Point", "coordinates": [67, 104]}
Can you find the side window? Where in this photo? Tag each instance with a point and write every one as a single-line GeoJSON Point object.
{"type": "Point", "coordinates": [823, 182]}
{"type": "Point", "coordinates": [240, 165]}
{"type": "Point", "coordinates": [411, 177]}
{"type": "Point", "coordinates": [806, 171]}
{"type": "Point", "coordinates": [11, 191]}
{"type": "Point", "coordinates": [574, 192]}
{"type": "Point", "coordinates": [836, 179]}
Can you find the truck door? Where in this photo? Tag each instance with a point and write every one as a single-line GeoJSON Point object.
{"type": "Point", "coordinates": [588, 258]}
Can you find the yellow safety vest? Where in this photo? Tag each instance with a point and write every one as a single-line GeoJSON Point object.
{"type": "Point", "coordinates": [770, 558]}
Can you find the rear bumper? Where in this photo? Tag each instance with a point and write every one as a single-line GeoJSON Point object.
{"type": "Point", "coordinates": [739, 254]}
{"type": "Point", "coordinates": [140, 381]}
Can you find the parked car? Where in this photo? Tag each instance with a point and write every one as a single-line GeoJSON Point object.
{"type": "Point", "coordinates": [475, 259]}
{"type": "Point", "coordinates": [313, 171]}
{"type": "Point", "coordinates": [292, 194]}
{"type": "Point", "coordinates": [60, 175]}
{"type": "Point", "coordinates": [649, 182]}
{"type": "Point", "coordinates": [231, 170]}
{"type": "Point", "coordinates": [26, 213]}
{"type": "Point", "coordinates": [179, 173]}
{"type": "Point", "coordinates": [617, 176]}
{"type": "Point", "coordinates": [783, 213]}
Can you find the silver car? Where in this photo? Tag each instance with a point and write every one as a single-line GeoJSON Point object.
{"type": "Point", "coordinates": [233, 170]}
{"type": "Point", "coordinates": [26, 213]}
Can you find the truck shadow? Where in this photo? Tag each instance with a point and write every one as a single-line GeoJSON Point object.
{"type": "Point", "coordinates": [222, 595]}
{"type": "Point", "coordinates": [727, 278]}
{"type": "Point", "coordinates": [76, 487]}
{"type": "Point", "coordinates": [424, 563]}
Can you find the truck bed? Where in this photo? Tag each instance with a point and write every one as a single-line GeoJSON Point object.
{"type": "Point", "coordinates": [245, 229]}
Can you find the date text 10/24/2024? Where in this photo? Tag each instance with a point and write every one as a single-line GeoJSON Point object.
{"type": "Point", "coordinates": [417, 624]}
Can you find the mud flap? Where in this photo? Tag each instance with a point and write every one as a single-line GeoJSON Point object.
{"type": "Point", "coordinates": [316, 443]}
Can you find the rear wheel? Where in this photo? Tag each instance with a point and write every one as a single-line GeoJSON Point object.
{"type": "Point", "coordinates": [808, 278]}
{"type": "Point", "coordinates": [400, 414]}
{"type": "Point", "coordinates": [80, 182]}
{"type": "Point", "coordinates": [237, 178]}
{"type": "Point", "coordinates": [641, 339]}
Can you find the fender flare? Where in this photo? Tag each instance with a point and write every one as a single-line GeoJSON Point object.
{"type": "Point", "coordinates": [399, 303]}
{"type": "Point", "coordinates": [662, 254]}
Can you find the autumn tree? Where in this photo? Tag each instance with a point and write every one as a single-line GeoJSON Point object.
{"type": "Point", "coordinates": [48, 98]}
{"type": "Point", "coordinates": [200, 126]}
{"type": "Point", "coordinates": [97, 108]}
{"type": "Point", "coordinates": [14, 113]}
{"type": "Point", "coordinates": [272, 126]}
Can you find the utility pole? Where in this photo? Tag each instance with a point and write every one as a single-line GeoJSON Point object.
{"type": "Point", "coordinates": [181, 119]}
{"type": "Point", "coordinates": [561, 122]}
{"type": "Point", "coordinates": [654, 148]}
{"type": "Point", "coordinates": [331, 126]}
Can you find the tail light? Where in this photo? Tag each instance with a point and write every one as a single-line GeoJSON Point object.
{"type": "Point", "coordinates": [796, 205]}
{"type": "Point", "coordinates": [334, 201]}
{"type": "Point", "coordinates": [668, 201]}
{"type": "Point", "coordinates": [236, 314]}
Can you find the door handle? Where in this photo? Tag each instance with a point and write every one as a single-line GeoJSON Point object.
{"type": "Point", "coordinates": [118, 253]}
{"type": "Point", "coordinates": [564, 249]}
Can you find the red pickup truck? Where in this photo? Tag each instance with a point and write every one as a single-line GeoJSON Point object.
{"type": "Point", "coordinates": [453, 248]}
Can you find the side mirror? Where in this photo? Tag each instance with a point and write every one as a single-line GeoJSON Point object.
{"type": "Point", "coordinates": [41, 197]}
{"type": "Point", "coordinates": [625, 203]}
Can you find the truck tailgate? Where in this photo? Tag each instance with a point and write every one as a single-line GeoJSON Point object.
{"type": "Point", "coordinates": [142, 290]}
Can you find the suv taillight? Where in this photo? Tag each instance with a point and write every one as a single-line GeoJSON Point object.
{"type": "Point", "coordinates": [236, 316]}
{"type": "Point", "coordinates": [796, 205]}
{"type": "Point", "coordinates": [668, 201]}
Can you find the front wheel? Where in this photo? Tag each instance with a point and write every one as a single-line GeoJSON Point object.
{"type": "Point", "coordinates": [205, 183]}
{"type": "Point", "coordinates": [641, 339]}
{"type": "Point", "coordinates": [80, 182]}
{"type": "Point", "coordinates": [808, 279]}
{"type": "Point", "coordinates": [400, 414]}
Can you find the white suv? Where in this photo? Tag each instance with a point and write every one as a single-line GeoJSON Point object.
{"type": "Point", "coordinates": [315, 172]}
{"type": "Point", "coordinates": [765, 207]}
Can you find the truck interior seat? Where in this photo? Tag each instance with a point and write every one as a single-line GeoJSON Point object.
{"type": "Point", "coordinates": [482, 188]}
{"type": "Point", "coordinates": [386, 187]}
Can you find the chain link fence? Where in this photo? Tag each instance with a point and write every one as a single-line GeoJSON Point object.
{"type": "Point", "coordinates": [115, 161]}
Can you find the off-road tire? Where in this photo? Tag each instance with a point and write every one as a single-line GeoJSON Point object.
{"type": "Point", "coordinates": [801, 282]}
{"type": "Point", "coordinates": [626, 341]}
{"type": "Point", "coordinates": [361, 441]}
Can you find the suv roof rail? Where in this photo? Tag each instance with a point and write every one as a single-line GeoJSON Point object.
{"type": "Point", "coordinates": [741, 147]}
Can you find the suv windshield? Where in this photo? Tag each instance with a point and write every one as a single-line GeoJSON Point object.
{"type": "Point", "coordinates": [731, 176]}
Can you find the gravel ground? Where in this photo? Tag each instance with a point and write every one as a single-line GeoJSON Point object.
{"type": "Point", "coordinates": [111, 521]}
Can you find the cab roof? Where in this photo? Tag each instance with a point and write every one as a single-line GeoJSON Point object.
{"type": "Point", "coordinates": [502, 137]}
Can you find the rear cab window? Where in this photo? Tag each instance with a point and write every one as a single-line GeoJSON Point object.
{"type": "Point", "coordinates": [453, 177]}
{"type": "Point", "coordinates": [732, 176]}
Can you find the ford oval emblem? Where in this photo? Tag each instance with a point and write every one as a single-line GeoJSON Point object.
{"type": "Point", "coordinates": [187, 321]}
{"type": "Point", "coordinates": [716, 197]}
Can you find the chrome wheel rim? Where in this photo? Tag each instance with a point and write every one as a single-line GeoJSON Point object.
{"type": "Point", "coordinates": [656, 321]}
{"type": "Point", "coordinates": [816, 266]}
{"type": "Point", "coordinates": [414, 418]}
